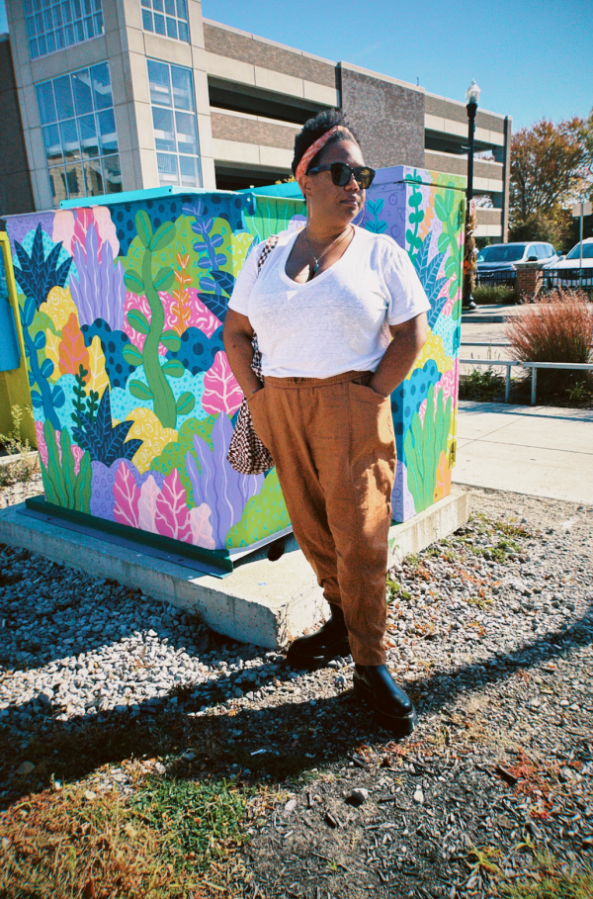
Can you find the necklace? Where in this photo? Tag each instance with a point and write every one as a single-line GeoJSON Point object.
{"type": "Point", "coordinates": [327, 249]}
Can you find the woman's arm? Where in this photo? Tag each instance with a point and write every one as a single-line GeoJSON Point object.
{"type": "Point", "coordinates": [408, 340]}
{"type": "Point", "coordinates": [237, 336]}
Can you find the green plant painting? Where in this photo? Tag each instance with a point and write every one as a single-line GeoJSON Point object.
{"type": "Point", "coordinates": [423, 444]}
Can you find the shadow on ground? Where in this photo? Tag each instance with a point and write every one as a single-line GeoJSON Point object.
{"type": "Point", "coordinates": [295, 736]}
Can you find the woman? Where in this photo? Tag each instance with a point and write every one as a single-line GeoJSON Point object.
{"type": "Point", "coordinates": [325, 305]}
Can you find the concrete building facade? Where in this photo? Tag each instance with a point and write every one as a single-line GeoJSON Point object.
{"type": "Point", "coordinates": [128, 94]}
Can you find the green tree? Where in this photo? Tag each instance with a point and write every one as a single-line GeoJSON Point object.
{"type": "Point", "coordinates": [549, 172]}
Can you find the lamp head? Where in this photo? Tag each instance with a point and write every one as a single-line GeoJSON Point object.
{"type": "Point", "coordinates": [472, 94]}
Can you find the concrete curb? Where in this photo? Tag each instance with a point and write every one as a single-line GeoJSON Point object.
{"type": "Point", "coordinates": [261, 602]}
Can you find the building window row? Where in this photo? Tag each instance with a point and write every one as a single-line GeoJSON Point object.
{"type": "Point", "coordinates": [80, 137]}
{"type": "Point", "coordinates": [166, 17]}
{"type": "Point", "coordinates": [56, 24]}
{"type": "Point", "coordinates": [79, 133]}
{"type": "Point", "coordinates": [174, 122]}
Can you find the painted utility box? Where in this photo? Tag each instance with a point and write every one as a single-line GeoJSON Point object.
{"type": "Point", "coordinates": [424, 212]}
{"type": "Point", "coordinates": [122, 306]}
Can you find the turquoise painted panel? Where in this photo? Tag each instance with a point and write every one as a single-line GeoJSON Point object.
{"type": "Point", "coordinates": [10, 354]}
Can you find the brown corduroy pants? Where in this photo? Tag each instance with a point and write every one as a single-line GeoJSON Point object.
{"type": "Point", "coordinates": [333, 445]}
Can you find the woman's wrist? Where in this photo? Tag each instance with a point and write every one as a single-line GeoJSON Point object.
{"type": "Point", "coordinates": [254, 389]}
{"type": "Point", "coordinates": [379, 388]}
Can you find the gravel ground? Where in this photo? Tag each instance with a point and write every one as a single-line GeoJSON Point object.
{"type": "Point", "coordinates": [490, 631]}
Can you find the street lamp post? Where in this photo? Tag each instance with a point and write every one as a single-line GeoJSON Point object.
{"type": "Point", "coordinates": [472, 95]}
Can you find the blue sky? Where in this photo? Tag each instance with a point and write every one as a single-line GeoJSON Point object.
{"type": "Point", "coordinates": [531, 59]}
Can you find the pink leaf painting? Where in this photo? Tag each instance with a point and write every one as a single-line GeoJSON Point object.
{"type": "Point", "coordinates": [448, 384]}
{"type": "Point", "coordinates": [221, 390]}
{"type": "Point", "coordinates": [133, 301]}
{"type": "Point", "coordinates": [422, 410]}
{"type": "Point", "coordinates": [126, 495]}
{"type": "Point", "coordinates": [147, 505]}
{"type": "Point", "coordinates": [201, 529]}
{"type": "Point", "coordinates": [71, 227]}
{"type": "Point", "coordinates": [201, 317]}
{"type": "Point", "coordinates": [77, 454]}
{"type": "Point", "coordinates": [41, 444]}
{"type": "Point", "coordinates": [172, 515]}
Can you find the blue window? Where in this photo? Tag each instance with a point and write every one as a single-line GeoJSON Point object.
{"type": "Point", "coordinates": [175, 124]}
{"type": "Point", "coordinates": [55, 24]}
{"type": "Point", "coordinates": [166, 17]}
{"type": "Point", "coordinates": [79, 133]}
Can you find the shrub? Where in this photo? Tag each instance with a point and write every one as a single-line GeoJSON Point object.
{"type": "Point", "coordinates": [24, 465]}
{"type": "Point", "coordinates": [556, 328]}
{"type": "Point", "coordinates": [486, 295]}
{"type": "Point", "coordinates": [482, 385]}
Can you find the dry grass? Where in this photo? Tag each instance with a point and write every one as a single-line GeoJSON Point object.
{"type": "Point", "coordinates": [77, 844]}
{"type": "Point", "coordinates": [557, 328]}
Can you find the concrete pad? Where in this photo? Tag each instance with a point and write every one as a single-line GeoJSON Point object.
{"type": "Point", "coordinates": [537, 450]}
{"type": "Point", "coordinates": [261, 602]}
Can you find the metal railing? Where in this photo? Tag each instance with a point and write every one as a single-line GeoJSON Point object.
{"type": "Point", "coordinates": [510, 363]}
{"type": "Point", "coordinates": [503, 278]}
{"type": "Point", "coordinates": [550, 278]}
{"type": "Point", "coordinates": [568, 278]}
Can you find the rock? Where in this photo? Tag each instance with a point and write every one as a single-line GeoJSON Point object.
{"type": "Point", "coordinates": [419, 795]}
{"type": "Point", "coordinates": [358, 796]}
{"type": "Point", "coordinates": [90, 795]}
{"type": "Point", "coordinates": [25, 768]}
{"type": "Point", "coordinates": [290, 806]}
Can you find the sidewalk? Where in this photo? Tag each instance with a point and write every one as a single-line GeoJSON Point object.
{"type": "Point", "coordinates": [493, 314]}
{"type": "Point", "coordinates": [537, 450]}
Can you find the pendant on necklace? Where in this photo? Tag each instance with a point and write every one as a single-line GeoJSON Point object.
{"type": "Point", "coordinates": [315, 267]}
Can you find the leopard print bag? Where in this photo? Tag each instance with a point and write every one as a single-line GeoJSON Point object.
{"type": "Point", "coordinates": [247, 454]}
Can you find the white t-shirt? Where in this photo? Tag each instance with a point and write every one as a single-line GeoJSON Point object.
{"type": "Point", "coordinates": [337, 322]}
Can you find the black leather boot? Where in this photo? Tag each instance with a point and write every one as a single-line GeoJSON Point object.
{"type": "Point", "coordinates": [393, 708]}
{"type": "Point", "coordinates": [316, 650]}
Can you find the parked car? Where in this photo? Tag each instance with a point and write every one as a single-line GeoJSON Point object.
{"type": "Point", "coordinates": [496, 263]}
{"type": "Point", "coordinates": [568, 269]}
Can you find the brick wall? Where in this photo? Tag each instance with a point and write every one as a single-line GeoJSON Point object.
{"type": "Point", "coordinates": [388, 117]}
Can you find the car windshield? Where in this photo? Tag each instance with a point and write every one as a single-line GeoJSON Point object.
{"type": "Point", "coordinates": [501, 253]}
{"type": "Point", "coordinates": [575, 253]}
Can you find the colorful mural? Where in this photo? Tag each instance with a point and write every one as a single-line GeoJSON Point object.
{"type": "Point", "coordinates": [122, 307]}
{"type": "Point", "coordinates": [424, 212]}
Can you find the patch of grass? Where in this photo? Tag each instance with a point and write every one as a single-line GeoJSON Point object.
{"type": "Point", "coordinates": [551, 879]}
{"type": "Point", "coordinates": [511, 529]}
{"type": "Point", "coordinates": [201, 820]}
{"type": "Point", "coordinates": [479, 602]}
{"type": "Point", "coordinates": [160, 844]}
{"type": "Point", "coordinates": [393, 586]}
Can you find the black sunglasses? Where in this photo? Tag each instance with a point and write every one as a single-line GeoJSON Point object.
{"type": "Point", "coordinates": [342, 173]}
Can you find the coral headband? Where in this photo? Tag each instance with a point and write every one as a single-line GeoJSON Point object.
{"type": "Point", "coordinates": [314, 150]}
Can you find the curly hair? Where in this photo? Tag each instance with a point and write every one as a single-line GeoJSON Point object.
{"type": "Point", "coordinates": [315, 128]}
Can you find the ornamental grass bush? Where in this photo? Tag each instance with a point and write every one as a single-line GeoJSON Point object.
{"type": "Point", "coordinates": [557, 327]}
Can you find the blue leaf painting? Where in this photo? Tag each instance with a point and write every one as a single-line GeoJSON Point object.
{"type": "Point", "coordinates": [101, 439]}
{"type": "Point", "coordinates": [428, 272]}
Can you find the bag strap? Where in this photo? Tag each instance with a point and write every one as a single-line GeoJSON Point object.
{"type": "Point", "coordinates": [268, 247]}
